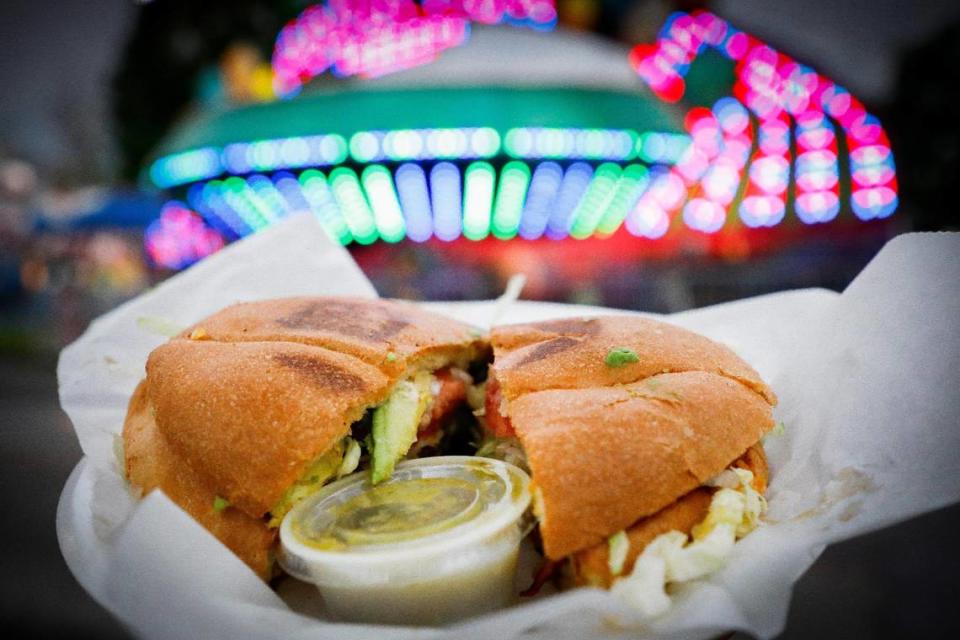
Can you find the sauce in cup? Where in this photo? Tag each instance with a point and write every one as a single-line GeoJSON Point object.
{"type": "Point", "coordinates": [436, 542]}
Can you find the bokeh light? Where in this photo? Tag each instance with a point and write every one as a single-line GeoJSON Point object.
{"type": "Point", "coordinates": [179, 237]}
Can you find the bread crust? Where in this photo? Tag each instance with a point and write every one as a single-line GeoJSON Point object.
{"type": "Point", "coordinates": [665, 424]}
{"type": "Point", "coordinates": [591, 566]}
{"type": "Point", "coordinates": [570, 353]}
{"type": "Point", "coordinates": [238, 405]}
{"type": "Point", "coordinates": [367, 329]}
{"type": "Point", "coordinates": [253, 415]}
{"type": "Point", "coordinates": [152, 463]}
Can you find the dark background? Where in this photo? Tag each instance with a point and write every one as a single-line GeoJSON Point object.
{"type": "Point", "coordinates": [87, 87]}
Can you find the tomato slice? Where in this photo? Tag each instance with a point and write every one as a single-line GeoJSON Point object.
{"type": "Point", "coordinates": [452, 393]}
{"type": "Point", "coordinates": [497, 424]}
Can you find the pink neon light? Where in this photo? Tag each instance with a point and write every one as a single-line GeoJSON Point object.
{"type": "Point", "coordinates": [647, 219]}
{"type": "Point", "coordinates": [179, 238]}
{"type": "Point", "coordinates": [704, 215]}
{"type": "Point", "coordinates": [774, 137]}
{"type": "Point", "coordinates": [778, 91]}
{"type": "Point", "coordinates": [374, 37]}
{"type": "Point", "coordinates": [736, 149]}
{"type": "Point", "coordinates": [762, 211]}
{"type": "Point", "coordinates": [770, 174]}
{"type": "Point", "coordinates": [721, 182]}
{"type": "Point", "coordinates": [816, 169]}
{"type": "Point", "coordinates": [669, 192]}
{"type": "Point", "coordinates": [817, 206]}
{"type": "Point", "coordinates": [693, 164]}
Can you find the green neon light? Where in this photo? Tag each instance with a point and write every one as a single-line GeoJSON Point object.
{"type": "Point", "coordinates": [663, 148]}
{"type": "Point", "coordinates": [260, 205]}
{"type": "Point", "coordinates": [266, 193]}
{"type": "Point", "coordinates": [630, 187]}
{"type": "Point", "coordinates": [588, 144]}
{"type": "Point", "coordinates": [403, 144]}
{"type": "Point", "coordinates": [263, 155]}
{"type": "Point", "coordinates": [234, 193]}
{"type": "Point", "coordinates": [228, 194]}
{"type": "Point", "coordinates": [334, 149]}
{"type": "Point", "coordinates": [594, 202]}
{"type": "Point", "coordinates": [356, 211]}
{"type": "Point", "coordinates": [317, 193]}
{"type": "Point", "coordinates": [382, 196]}
{"type": "Point", "coordinates": [514, 179]}
{"type": "Point", "coordinates": [478, 186]}
{"type": "Point", "coordinates": [485, 142]}
{"type": "Point", "coordinates": [364, 146]}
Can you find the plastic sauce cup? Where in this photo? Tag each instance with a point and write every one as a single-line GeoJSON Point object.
{"type": "Point", "coordinates": [436, 542]}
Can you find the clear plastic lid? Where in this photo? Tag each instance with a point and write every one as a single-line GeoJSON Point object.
{"type": "Point", "coordinates": [429, 508]}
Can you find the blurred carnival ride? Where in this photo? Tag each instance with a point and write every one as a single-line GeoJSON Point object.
{"type": "Point", "coordinates": [707, 142]}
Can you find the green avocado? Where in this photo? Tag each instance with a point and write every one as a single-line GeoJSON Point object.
{"type": "Point", "coordinates": [395, 424]}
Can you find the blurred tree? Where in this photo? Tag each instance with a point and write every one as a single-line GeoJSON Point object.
{"type": "Point", "coordinates": [925, 131]}
{"type": "Point", "coordinates": [173, 42]}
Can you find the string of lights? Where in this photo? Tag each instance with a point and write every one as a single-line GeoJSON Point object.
{"type": "Point", "coordinates": [370, 39]}
{"type": "Point", "coordinates": [772, 147]}
{"type": "Point", "coordinates": [778, 90]}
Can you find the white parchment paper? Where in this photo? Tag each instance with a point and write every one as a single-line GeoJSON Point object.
{"type": "Point", "coordinates": [867, 382]}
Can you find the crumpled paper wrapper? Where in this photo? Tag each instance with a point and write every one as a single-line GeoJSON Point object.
{"type": "Point", "coordinates": [867, 382]}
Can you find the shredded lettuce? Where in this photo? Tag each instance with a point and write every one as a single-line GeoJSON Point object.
{"type": "Point", "coordinates": [672, 557]}
{"type": "Point", "coordinates": [351, 458]}
{"type": "Point", "coordinates": [643, 591]}
{"type": "Point", "coordinates": [505, 449]}
{"type": "Point", "coordinates": [618, 547]}
{"type": "Point", "coordinates": [158, 326]}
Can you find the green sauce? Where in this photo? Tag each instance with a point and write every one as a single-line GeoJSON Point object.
{"type": "Point", "coordinates": [400, 511]}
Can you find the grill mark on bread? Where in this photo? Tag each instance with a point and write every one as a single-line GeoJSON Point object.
{"type": "Point", "coordinates": [346, 318]}
{"type": "Point", "coordinates": [571, 326]}
{"type": "Point", "coordinates": [320, 372]}
{"type": "Point", "coordinates": [547, 349]}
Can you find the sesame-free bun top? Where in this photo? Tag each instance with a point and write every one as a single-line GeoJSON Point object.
{"type": "Point", "coordinates": [609, 445]}
{"type": "Point", "coordinates": [243, 401]}
{"type": "Point", "coordinates": [367, 329]}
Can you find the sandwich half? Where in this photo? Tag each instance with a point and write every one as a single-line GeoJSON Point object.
{"type": "Point", "coordinates": [627, 425]}
{"type": "Point", "coordinates": [257, 406]}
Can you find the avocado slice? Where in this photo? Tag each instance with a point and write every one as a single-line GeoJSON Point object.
{"type": "Point", "coordinates": [395, 424]}
{"type": "Point", "coordinates": [322, 469]}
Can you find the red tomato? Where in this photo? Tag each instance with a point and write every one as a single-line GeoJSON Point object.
{"type": "Point", "coordinates": [497, 424]}
{"type": "Point", "coordinates": [452, 393]}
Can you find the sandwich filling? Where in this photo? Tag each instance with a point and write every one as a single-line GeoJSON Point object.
{"type": "Point", "coordinates": [642, 578]}
{"type": "Point", "coordinates": [425, 414]}
{"type": "Point", "coordinates": [674, 557]}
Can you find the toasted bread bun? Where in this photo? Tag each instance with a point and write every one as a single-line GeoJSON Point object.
{"type": "Point", "coordinates": [239, 405]}
{"type": "Point", "coordinates": [608, 446]}
{"type": "Point", "coordinates": [570, 353]}
{"type": "Point", "coordinates": [591, 566]}
{"type": "Point", "coordinates": [363, 328]}
{"type": "Point", "coordinates": [152, 464]}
